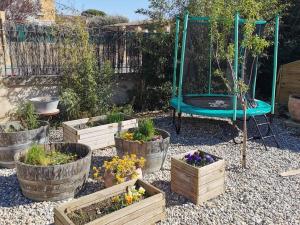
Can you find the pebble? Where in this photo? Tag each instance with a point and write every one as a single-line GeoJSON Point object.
{"type": "Point", "coordinates": [256, 195]}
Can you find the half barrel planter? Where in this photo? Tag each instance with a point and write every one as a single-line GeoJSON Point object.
{"type": "Point", "coordinates": [12, 143]}
{"type": "Point", "coordinates": [147, 211]}
{"type": "Point", "coordinates": [294, 107]}
{"type": "Point", "coordinates": [154, 152]}
{"type": "Point", "coordinates": [198, 184]}
{"type": "Point", "coordinates": [58, 182]}
{"type": "Point", "coordinates": [98, 136]}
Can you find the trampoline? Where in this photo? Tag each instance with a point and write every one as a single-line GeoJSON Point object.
{"type": "Point", "coordinates": [198, 91]}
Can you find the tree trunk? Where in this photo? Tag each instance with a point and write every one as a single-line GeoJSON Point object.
{"type": "Point", "coordinates": [244, 148]}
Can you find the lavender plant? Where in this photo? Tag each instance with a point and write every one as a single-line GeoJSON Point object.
{"type": "Point", "coordinates": [199, 159]}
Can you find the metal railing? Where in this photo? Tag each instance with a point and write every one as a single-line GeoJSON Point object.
{"type": "Point", "coordinates": [33, 50]}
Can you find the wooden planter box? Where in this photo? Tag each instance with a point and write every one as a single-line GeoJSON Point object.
{"type": "Point", "coordinates": [198, 184]}
{"type": "Point", "coordinates": [95, 137]}
{"type": "Point", "coordinates": [147, 211]}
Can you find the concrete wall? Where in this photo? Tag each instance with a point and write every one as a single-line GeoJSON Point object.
{"type": "Point", "coordinates": [14, 91]}
{"type": "Point", "coordinates": [47, 13]}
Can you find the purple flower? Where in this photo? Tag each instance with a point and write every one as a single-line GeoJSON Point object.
{"type": "Point", "coordinates": [187, 156]}
{"type": "Point", "coordinates": [209, 159]}
{"type": "Point", "coordinates": [198, 158]}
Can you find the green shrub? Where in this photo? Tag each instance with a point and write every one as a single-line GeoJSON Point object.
{"type": "Point", "coordinates": [145, 130]}
{"type": "Point", "coordinates": [37, 155]}
{"type": "Point", "coordinates": [153, 90]}
{"type": "Point", "coordinates": [105, 80]}
{"type": "Point", "coordinates": [69, 103]}
{"type": "Point", "coordinates": [59, 158]}
{"type": "Point", "coordinates": [115, 117]}
{"type": "Point", "coordinates": [89, 86]}
{"type": "Point", "coordinates": [146, 127]}
{"type": "Point", "coordinates": [27, 115]}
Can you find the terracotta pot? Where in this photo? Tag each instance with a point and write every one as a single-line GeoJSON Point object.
{"type": "Point", "coordinates": [109, 178]}
{"type": "Point", "coordinates": [294, 107]}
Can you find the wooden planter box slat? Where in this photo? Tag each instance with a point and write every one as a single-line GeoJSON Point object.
{"type": "Point", "coordinates": [95, 137]}
{"type": "Point", "coordinates": [197, 184]}
{"type": "Point", "coordinates": [147, 211]}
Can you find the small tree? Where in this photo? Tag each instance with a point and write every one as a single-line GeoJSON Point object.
{"type": "Point", "coordinates": [93, 12]}
{"type": "Point", "coordinates": [100, 21]}
{"type": "Point", "coordinates": [222, 14]}
{"type": "Point", "coordinates": [82, 77]}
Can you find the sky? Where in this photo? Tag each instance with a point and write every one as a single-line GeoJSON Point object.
{"type": "Point", "coordinates": [112, 7]}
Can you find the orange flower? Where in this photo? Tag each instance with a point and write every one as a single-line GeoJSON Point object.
{"type": "Point", "coordinates": [128, 199]}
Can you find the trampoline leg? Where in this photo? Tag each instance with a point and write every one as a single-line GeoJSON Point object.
{"type": "Point", "coordinates": [271, 118]}
{"type": "Point", "coordinates": [178, 123]}
{"type": "Point", "coordinates": [173, 115]}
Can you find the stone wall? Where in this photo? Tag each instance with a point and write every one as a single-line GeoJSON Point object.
{"type": "Point", "coordinates": [14, 91]}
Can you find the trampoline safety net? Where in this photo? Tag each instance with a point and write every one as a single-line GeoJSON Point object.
{"type": "Point", "coordinates": [200, 66]}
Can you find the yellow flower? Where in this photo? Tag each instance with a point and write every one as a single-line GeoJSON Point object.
{"type": "Point", "coordinates": [95, 175]}
{"type": "Point", "coordinates": [116, 199]}
{"type": "Point", "coordinates": [128, 199]}
{"type": "Point", "coordinates": [142, 191]}
{"type": "Point", "coordinates": [124, 167]}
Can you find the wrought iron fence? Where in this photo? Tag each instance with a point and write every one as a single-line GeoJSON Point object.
{"type": "Point", "coordinates": [32, 50]}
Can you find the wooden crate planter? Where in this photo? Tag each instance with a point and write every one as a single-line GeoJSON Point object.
{"type": "Point", "coordinates": [98, 136]}
{"type": "Point", "coordinates": [198, 184]}
{"type": "Point", "coordinates": [148, 211]}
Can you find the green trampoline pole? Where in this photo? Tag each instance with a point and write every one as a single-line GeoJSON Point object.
{"type": "Point", "coordinates": [175, 57]}
{"type": "Point", "coordinates": [210, 62]}
{"type": "Point", "coordinates": [236, 62]}
{"type": "Point", "coordinates": [275, 63]}
{"type": "Point", "coordinates": [185, 24]}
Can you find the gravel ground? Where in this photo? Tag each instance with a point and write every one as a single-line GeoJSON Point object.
{"type": "Point", "coordinates": [256, 195]}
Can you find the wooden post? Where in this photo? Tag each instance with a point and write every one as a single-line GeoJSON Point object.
{"type": "Point", "coordinates": [4, 52]}
{"type": "Point", "coordinates": [2, 47]}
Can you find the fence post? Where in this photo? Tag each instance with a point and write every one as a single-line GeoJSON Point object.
{"type": "Point", "coordinates": [4, 52]}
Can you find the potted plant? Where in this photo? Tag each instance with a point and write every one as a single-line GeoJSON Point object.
{"type": "Point", "coordinates": [54, 171]}
{"type": "Point", "coordinates": [294, 107]}
{"type": "Point", "coordinates": [97, 132]}
{"type": "Point", "coordinates": [119, 170]}
{"type": "Point", "coordinates": [145, 141]}
{"type": "Point", "coordinates": [198, 176]}
{"type": "Point", "coordinates": [132, 202]}
{"type": "Point", "coordinates": [21, 131]}
{"type": "Point", "coordinates": [45, 104]}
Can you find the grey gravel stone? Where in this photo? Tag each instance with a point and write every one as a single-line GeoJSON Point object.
{"type": "Point", "coordinates": [256, 195]}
